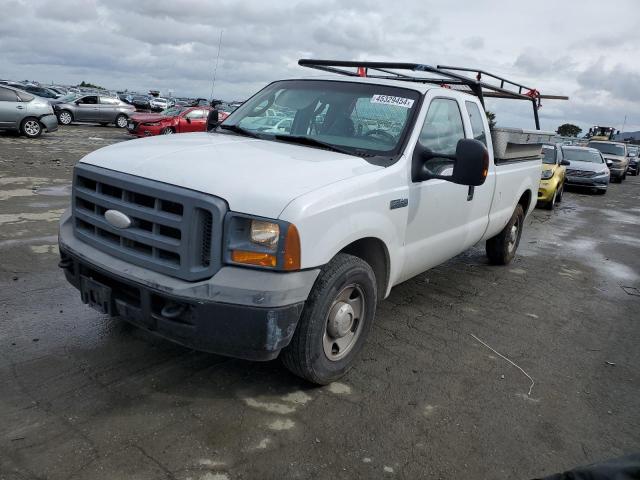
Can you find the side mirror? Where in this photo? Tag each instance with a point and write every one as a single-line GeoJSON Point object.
{"type": "Point", "coordinates": [609, 163]}
{"type": "Point", "coordinates": [565, 163]}
{"type": "Point", "coordinates": [188, 120]}
{"type": "Point", "coordinates": [77, 102]}
{"type": "Point", "coordinates": [470, 163]}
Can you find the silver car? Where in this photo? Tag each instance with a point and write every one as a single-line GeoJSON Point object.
{"type": "Point", "coordinates": [95, 108]}
{"type": "Point", "coordinates": [587, 168]}
{"type": "Point", "coordinates": [26, 113]}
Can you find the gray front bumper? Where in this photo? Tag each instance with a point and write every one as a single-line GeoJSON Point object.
{"type": "Point", "coordinates": [50, 122]}
{"type": "Point", "coordinates": [233, 285]}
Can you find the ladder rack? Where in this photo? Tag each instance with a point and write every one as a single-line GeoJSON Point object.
{"type": "Point", "coordinates": [447, 76]}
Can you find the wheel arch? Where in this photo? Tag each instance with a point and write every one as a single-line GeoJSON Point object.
{"type": "Point", "coordinates": [375, 252]}
{"type": "Point", "coordinates": [525, 200]}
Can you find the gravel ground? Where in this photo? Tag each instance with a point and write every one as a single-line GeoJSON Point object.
{"type": "Point", "coordinates": [83, 396]}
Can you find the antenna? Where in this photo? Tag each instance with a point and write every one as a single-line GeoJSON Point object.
{"type": "Point", "coordinates": [215, 70]}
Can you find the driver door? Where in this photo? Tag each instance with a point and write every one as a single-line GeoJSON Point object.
{"type": "Point", "coordinates": [440, 222]}
{"type": "Point", "coordinates": [87, 109]}
{"type": "Point", "coordinates": [194, 121]}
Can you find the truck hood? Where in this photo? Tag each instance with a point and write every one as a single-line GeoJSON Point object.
{"type": "Point", "coordinates": [257, 177]}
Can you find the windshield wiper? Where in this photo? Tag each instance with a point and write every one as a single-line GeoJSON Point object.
{"type": "Point", "coordinates": [238, 130]}
{"type": "Point", "coordinates": [312, 142]}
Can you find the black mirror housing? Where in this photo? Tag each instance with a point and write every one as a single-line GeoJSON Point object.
{"type": "Point", "coordinates": [566, 163]}
{"type": "Point", "coordinates": [470, 163]}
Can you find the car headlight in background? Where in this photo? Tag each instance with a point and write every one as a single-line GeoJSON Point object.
{"type": "Point", "coordinates": [260, 242]}
{"type": "Point", "coordinates": [546, 174]}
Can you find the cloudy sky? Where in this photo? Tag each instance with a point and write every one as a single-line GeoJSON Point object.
{"type": "Point", "coordinates": [586, 49]}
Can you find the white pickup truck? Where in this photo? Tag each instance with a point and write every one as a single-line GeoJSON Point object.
{"type": "Point", "coordinates": [257, 240]}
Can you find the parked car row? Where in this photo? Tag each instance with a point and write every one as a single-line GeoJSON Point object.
{"type": "Point", "coordinates": [592, 166]}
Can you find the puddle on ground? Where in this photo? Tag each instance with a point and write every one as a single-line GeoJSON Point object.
{"type": "Point", "coordinates": [57, 191]}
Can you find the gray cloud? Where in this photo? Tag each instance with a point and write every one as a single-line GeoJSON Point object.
{"type": "Point", "coordinates": [169, 44]}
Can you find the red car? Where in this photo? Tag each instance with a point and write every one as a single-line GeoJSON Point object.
{"type": "Point", "coordinates": [171, 120]}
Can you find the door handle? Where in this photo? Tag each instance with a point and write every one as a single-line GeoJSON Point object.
{"type": "Point", "coordinates": [20, 107]}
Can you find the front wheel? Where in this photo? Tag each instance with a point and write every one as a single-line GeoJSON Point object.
{"type": "Point", "coordinates": [335, 322]}
{"type": "Point", "coordinates": [502, 248]}
{"type": "Point", "coordinates": [65, 117]}
{"type": "Point", "coordinates": [121, 121]}
{"type": "Point", "coordinates": [552, 203]}
{"type": "Point", "coordinates": [31, 127]}
{"type": "Point", "coordinates": [560, 193]}
{"type": "Point", "coordinates": [167, 131]}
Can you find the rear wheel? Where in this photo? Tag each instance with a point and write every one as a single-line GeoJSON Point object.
{"type": "Point", "coordinates": [167, 131]}
{"type": "Point", "coordinates": [335, 322]}
{"type": "Point", "coordinates": [502, 248]}
{"type": "Point", "coordinates": [31, 127]}
{"type": "Point", "coordinates": [121, 121]}
{"type": "Point", "coordinates": [65, 117]}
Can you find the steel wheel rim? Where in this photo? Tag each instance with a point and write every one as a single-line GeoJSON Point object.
{"type": "Point", "coordinates": [344, 324]}
{"type": "Point", "coordinates": [31, 127]}
{"type": "Point", "coordinates": [122, 122]}
{"type": "Point", "coordinates": [168, 131]}
{"type": "Point", "coordinates": [65, 118]}
{"type": "Point", "coordinates": [513, 235]}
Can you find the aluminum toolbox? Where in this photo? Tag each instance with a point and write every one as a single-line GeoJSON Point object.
{"type": "Point", "coordinates": [510, 143]}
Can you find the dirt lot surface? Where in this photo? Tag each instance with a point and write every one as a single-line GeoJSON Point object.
{"type": "Point", "coordinates": [83, 396]}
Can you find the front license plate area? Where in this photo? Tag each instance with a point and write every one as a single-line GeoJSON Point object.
{"type": "Point", "coordinates": [96, 295]}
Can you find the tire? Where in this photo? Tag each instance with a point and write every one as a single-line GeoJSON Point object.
{"type": "Point", "coordinates": [324, 347]}
{"type": "Point", "coordinates": [502, 248]}
{"type": "Point", "coordinates": [552, 203]}
{"type": "Point", "coordinates": [121, 121]}
{"type": "Point", "coordinates": [65, 117]}
{"type": "Point", "coordinates": [600, 191]}
{"type": "Point", "coordinates": [560, 193]}
{"type": "Point", "coordinates": [167, 131]}
{"type": "Point", "coordinates": [30, 127]}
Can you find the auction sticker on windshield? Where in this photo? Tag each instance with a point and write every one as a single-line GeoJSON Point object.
{"type": "Point", "coordinates": [390, 100]}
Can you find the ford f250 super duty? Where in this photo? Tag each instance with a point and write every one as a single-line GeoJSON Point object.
{"type": "Point", "coordinates": [277, 233]}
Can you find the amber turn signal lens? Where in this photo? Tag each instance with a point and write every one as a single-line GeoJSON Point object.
{"type": "Point", "coordinates": [291, 249]}
{"type": "Point", "coordinates": [254, 258]}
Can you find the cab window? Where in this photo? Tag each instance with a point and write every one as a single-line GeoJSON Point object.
{"type": "Point", "coordinates": [109, 101]}
{"type": "Point", "coordinates": [442, 130]}
{"type": "Point", "coordinates": [195, 114]}
{"type": "Point", "coordinates": [7, 95]}
{"type": "Point", "coordinates": [477, 125]}
{"type": "Point", "coordinates": [90, 100]}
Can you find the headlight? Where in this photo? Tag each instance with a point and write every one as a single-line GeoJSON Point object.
{"type": "Point", "coordinates": [265, 233]}
{"type": "Point", "coordinates": [261, 242]}
{"type": "Point", "coordinates": [546, 174]}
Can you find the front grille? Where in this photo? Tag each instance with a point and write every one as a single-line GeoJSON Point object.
{"type": "Point", "coordinates": [173, 230]}
{"type": "Point", "coordinates": [580, 173]}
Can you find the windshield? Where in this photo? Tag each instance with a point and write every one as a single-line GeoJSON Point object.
{"type": "Point", "coordinates": [548, 155]}
{"type": "Point", "coordinates": [580, 155]}
{"type": "Point", "coordinates": [363, 119]}
{"type": "Point", "coordinates": [69, 97]}
{"type": "Point", "coordinates": [633, 151]}
{"type": "Point", "coordinates": [608, 148]}
{"type": "Point", "coordinates": [172, 111]}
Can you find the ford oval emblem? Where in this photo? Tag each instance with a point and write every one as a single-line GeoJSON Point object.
{"type": "Point", "coordinates": [117, 219]}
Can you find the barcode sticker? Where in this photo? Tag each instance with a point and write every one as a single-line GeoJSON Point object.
{"type": "Point", "coordinates": [390, 100]}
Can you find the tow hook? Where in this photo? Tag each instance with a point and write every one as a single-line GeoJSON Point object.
{"type": "Point", "coordinates": [172, 311]}
{"type": "Point", "coordinates": [65, 263]}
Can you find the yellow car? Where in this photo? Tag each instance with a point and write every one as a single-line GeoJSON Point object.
{"type": "Point", "coordinates": [552, 177]}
